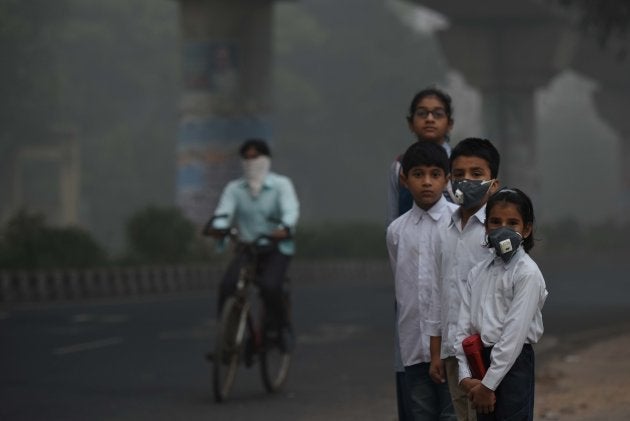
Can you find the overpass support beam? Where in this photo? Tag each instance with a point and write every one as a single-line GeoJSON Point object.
{"type": "Point", "coordinates": [226, 71]}
{"type": "Point", "coordinates": [612, 101]}
{"type": "Point", "coordinates": [508, 59]}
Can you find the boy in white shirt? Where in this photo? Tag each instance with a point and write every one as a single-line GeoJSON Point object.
{"type": "Point", "coordinates": [410, 244]}
{"type": "Point", "coordinates": [474, 169]}
{"type": "Point", "coordinates": [430, 119]}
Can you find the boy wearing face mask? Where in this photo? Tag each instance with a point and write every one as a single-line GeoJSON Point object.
{"type": "Point", "coordinates": [261, 202]}
{"type": "Point", "coordinates": [474, 171]}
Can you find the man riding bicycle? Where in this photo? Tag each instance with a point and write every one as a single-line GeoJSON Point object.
{"type": "Point", "coordinates": [260, 203]}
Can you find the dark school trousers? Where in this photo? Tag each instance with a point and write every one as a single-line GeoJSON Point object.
{"type": "Point", "coordinates": [430, 401]}
{"type": "Point", "coordinates": [403, 400]}
{"type": "Point", "coordinates": [515, 393]}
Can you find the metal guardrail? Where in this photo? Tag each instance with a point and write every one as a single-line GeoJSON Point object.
{"type": "Point", "coordinates": [76, 284]}
{"type": "Point", "coordinates": [23, 286]}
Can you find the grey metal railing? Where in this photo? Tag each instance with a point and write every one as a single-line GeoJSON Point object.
{"type": "Point", "coordinates": [23, 286]}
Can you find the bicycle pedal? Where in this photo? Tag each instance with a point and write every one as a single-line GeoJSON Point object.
{"type": "Point", "coordinates": [287, 340]}
{"type": "Point", "coordinates": [249, 360]}
{"type": "Point", "coordinates": [250, 350]}
{"type": "Point", "coordinates": [282, 339]}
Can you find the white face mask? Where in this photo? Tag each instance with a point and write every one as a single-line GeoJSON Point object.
{"type": "Point", "coordinates": [255, 170]}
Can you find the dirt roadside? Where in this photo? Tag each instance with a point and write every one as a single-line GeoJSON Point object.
{"type": "Point", "coordinates": [588, 385]}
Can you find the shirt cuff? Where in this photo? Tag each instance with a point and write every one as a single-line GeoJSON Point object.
{"type": "Point", "coordinates": [490, 381]}
{"type": "Point", "coordinates": [464, 372]}
{"type": "Point", "coordinates": [431, 327]}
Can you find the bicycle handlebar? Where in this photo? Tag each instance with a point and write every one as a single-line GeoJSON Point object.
{"type": "Point", "coordinates": [232, 232]}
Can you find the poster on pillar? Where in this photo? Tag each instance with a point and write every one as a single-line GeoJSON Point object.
{"type": "Point", "coordinates": [213, 67]}
{"type": "Point", "coordinates": [200, 180]}
{"type": "Point", "coordinates": [214, 122]}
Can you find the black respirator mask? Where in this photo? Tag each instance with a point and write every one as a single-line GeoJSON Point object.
{"type": "Point", "coordinates": [505, 241]}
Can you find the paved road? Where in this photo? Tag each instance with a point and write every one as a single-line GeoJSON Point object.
{"type": "Point", "coordinates": [142, 359]}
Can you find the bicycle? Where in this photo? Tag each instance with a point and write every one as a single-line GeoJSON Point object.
{"type": "Point", "coordinates": [242, 333]}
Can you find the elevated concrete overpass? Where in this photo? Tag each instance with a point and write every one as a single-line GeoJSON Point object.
{"type": "Point", "coordinates": [226, 96]}
{"type": "Point", "coordinates": [507, 49]}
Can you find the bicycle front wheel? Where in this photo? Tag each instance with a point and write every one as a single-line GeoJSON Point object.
{"type": "Point", "coordinates": [274, 366]}
{"type": "Point", "coordinates": [228, 347]}
{"type": "Point", "coordinates": [275, 357]}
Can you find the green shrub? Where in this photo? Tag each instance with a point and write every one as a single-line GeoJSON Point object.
{"type": "Point", "coordinates": [341, 240]}
{"type": "Point", "coordinates": [561, 235]}
{"type": "Point", "coordinates": [568, 235]}
{"type": "Point", "coordinates": [28, 243]}
{"type": "Point", "coordinates": [607, 236]}
{"type": "Point", "coordinates": [162, 235]}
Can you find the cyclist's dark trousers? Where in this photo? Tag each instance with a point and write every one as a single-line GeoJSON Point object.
{"type": "Point", "coordinates": [272, 267]}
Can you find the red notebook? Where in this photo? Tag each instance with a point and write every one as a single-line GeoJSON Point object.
{"type": "Point", "coordinates": [473, 349]}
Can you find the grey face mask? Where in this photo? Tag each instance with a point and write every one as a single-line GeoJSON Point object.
{"type": "Point", "coordinates": [469, 193]}
{"type": "Point", "coordinates": [505, 241]}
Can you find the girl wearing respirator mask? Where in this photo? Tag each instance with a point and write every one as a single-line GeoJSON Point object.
{"type": "Point", "coordinates": [502, 303]}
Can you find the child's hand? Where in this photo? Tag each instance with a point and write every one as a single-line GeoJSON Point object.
{"type": "Point", "coordinates": [482, 398]}
{"type": "Point", "coordinates": [468, 383]}
{"type": "Point", "coordinates": [436, 371]}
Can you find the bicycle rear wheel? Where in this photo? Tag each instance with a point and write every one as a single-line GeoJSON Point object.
{"type": "Point", "coordinates": [228, 347]}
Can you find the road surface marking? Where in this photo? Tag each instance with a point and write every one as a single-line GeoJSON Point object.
{"type": "Point", "coordinates": [329, 333]}
{"type": "Point", "coordinates": [86, 346]}
{"type": "Point", "coordinates": [104, 318]}
{"type": "Point", "coordinates": [205, 330]}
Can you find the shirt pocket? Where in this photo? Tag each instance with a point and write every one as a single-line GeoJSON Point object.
{"type": "Point", "coordinates": [504, 292]}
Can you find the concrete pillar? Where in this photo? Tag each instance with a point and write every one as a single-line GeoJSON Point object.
{"type": "Point", "coordinates": [508, 121]}
{"type": "Point", "coordinates": [64, 154]}
{"type": "Point", "coordinates": [612, 101]}
{"type": "Point", "coordinates": [226, 48]}
{"type": "Point", "coordinates": [508, 58]}
{"type": "Point", "coordinates": [612, 104]}
{"type": "Point", "coordinates": [70, 180]}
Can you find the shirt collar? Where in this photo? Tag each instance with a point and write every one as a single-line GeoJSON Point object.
{"type": "Point", "coordinates": [480, 216]}
{"type": "Point", "coordinates": [447, 147]}
{"type": "Point", "coordinates": [435, 212]}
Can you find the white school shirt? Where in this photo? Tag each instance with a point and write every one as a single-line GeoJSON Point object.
{"type": "Point", "coordinates": [503, 303]}
{"type": "Point", "coordinates": [393, 212]}
{"type": "Point", "coordinates": [460, 250]}
{"type": "Point", "coordinates": [410, 244]}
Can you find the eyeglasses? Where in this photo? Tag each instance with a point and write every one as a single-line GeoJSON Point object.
{"type": "Point", "coordinates": [437, 113]}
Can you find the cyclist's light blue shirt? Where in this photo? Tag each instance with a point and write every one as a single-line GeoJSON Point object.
{"type": "Point", "coordinates": [276, 204]}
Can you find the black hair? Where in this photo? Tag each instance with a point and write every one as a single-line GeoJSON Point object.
{"type": "Point", "coordinates": [258, 144]}
{"type": "Point", "coordinates": [431, 91]}
{"type": "Point", "coordinates": [424, 153]}
{"type": "Point", "coordinates": [524, 205]}
{"type": "Point", "coordinates": [481, 148]}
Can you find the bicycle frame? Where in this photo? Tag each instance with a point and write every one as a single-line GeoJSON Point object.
{"type": "Point", "coordinates": [241, 312]}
